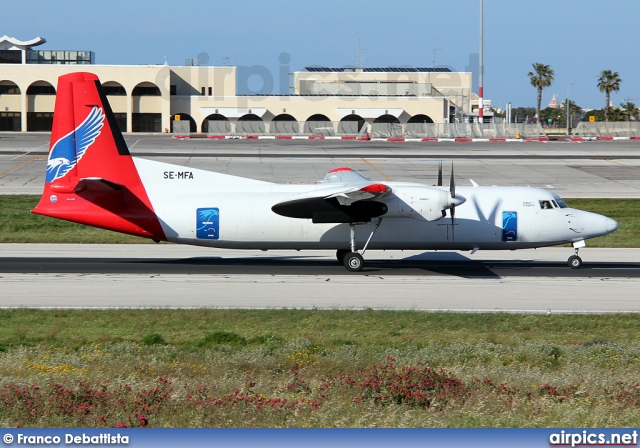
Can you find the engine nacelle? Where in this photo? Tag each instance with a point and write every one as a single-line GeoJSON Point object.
{"type": "Point", "coordinates": [417, 202]}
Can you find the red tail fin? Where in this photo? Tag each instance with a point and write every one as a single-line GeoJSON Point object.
{"type": "Point", "coordinates": [91, 178]}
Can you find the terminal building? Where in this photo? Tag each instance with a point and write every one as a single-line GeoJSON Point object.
{"type": "Point", "coordinates": [204, 99]}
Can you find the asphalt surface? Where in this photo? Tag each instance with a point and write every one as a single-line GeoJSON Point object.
{"type": "Point", "coordinates": [171, 276]}
{"type": "Point", "coordinates": [309, 265]}
{"type": "Point", "coordinates": [572, 170]}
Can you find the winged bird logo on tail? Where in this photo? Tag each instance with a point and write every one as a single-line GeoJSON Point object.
{"type": "Point", "coordinates": [69, 149]}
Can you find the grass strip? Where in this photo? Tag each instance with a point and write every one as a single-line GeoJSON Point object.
{"type": "Point", "coordinates": [315, 368]}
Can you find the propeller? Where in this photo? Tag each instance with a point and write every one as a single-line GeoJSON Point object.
{"type": "Point", "coordinates": [454, 200]}
{"type": "Point", "coordinates": [452, 210]}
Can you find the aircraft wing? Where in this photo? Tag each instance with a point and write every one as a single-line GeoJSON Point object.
{"type": "Point", "coordinates": [344, 176]}
{"type": "Point", "coordinates": [349, 201]}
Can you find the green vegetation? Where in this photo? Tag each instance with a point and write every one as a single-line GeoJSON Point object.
{"type": "Point", "coordinates": [540, 77]}
{"type": "Point", "coordinates": [18, 225]}
{"type": "Point", "coordinates": [625, 211]}
{"type": "Point", "coordinates": [293, 368]}
{"type": "Point", "coordinates": [608, 82]}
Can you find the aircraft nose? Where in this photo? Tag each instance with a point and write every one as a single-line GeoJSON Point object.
{"type": "Point", "coordinates": [612, 225]}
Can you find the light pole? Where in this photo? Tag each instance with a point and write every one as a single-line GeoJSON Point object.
{"type": "Point", "coordinates": [481, 68]}
{"type": "Point", "coordinates": [568, 116]}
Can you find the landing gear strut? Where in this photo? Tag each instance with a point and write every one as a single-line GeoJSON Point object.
{"type": "Point", "coordinates": [574, 261]}
{"type": "Point", "coordinates": [352, 260]}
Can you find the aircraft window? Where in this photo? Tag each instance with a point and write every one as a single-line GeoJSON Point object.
{"type": "Point", "coordinates": [545, 205]}
{"type": "Point", "coordinates": [561, 203]}
{"type": "Point", "coordinates": [555, 204]}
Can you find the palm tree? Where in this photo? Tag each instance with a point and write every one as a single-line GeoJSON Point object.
{"type": "Point", "coordinates": [540, 77]}
{"type": "Point", "coordinates": [608, 82]}
{"type": "Point", "coordinates": [629, 110]}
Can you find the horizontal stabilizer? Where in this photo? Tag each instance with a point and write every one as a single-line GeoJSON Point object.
{"type": "Point", "coordinates": [97, 184]}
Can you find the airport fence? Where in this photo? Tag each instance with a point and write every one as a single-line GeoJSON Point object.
{"type": "Point", "coordinates": [607, 128]}
{"type": "Point", "coordinates": [362, 128]}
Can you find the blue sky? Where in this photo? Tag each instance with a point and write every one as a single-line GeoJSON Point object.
{"type": "Point", "coordinates": [576, 38]}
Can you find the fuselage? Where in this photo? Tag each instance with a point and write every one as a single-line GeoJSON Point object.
{"type": "Point", "coordinates": [210, 209]}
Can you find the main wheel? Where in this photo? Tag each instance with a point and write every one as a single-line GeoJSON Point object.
{"type": "Point", "coordinates": [574, 262]}
{"type": "Point", "coordinates": [340, 254]}
{"type": "Point", "coordinates": [354, 262]}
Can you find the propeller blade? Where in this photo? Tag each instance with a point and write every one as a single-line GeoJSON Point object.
{"type": "Point", "coordinates": [452, 184]}
{"type": "Point", "coordinates": [440, 174]}
{"type": "Point", "coordinates": [453, 223]}
{"type": "Point", "coordinates": [452, 210]}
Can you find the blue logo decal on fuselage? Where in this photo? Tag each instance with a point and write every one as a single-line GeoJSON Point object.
{"type": "Point", "coordinates": [208, 223]}
{"type": "Point", "coordinates": [509, 226]}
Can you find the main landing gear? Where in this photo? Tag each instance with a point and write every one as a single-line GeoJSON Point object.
{"type": "Point", "coordinates": [574, 261]}
{"type": "Point", "coordinates": [352, 259]}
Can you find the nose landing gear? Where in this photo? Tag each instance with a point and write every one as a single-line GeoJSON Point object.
{"type": "Point", "coordinates": [574, 261]}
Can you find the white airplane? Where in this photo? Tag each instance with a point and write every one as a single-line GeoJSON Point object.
{"type": "Point", "coordinates": [93, 179]}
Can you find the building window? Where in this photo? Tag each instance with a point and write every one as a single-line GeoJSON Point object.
{"type": "Point", "coordinates": [203, 90]}
{"type": "Point", "coordinates": [114, 90]}
{"type": "Point", "coordinates": [146, 122]}
{"type": "Point", "coordinates": [9, 90]}
{"type": "Point", "coordinates": [10, 121]}
{"type": "Point", "coordinates": [210, 91]}
{"type": "Point", "coordinates": [41, 90]}
{"type": "Point", "coordinates": [10, 57]}
{"type": "Point", "coordinates": [60, 57]}
{"type": "Point", "coordinates": [39, 121]}
{"type": "Point", "coordinates": [173, 89]}
{"type": "Point", "coordinates": [121, 119]}
{"type": "Point", "coordinates": [146, 91]}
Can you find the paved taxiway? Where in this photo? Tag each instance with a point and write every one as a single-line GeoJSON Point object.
{"type": "Point", "coordinates": [170, 276]}
{"type": "Point", "coordinates": [179, 276]}
{"type": "Point", "coordinates": [573, 170]}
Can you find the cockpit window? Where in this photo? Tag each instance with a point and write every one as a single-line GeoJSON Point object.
{"type": "Point", "coordinates": [545, 205]}
{"type": "Point", "coordinates": [555, 204]}
{"type": "Point", "coordinates": [561, 203]}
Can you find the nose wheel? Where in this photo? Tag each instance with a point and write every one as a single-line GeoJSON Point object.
{"type": "Point", "coordinates": [574, 261]}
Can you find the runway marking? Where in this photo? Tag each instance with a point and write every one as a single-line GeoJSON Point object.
{"type": "Point", "coordinates": [623, 164]}
{"type": "Point", "coordinates": [26, 162]}
{"type": "Point", "coordinates": [376, 168]}
{"type": "Point", "coordinates": [136, 142]}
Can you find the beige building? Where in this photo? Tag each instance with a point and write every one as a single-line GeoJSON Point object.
{"type": "Point", "coordinates": [187, 99]}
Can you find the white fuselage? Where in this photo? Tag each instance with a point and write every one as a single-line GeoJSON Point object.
{"type": "Point", "coordinates": [211, 209]}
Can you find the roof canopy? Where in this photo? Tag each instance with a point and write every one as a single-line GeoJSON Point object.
{"type": "Point", "coordinates": [11, 43]}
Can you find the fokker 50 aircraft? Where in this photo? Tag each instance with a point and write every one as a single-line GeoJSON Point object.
{"type": "Point", "coordinates": [92, 179]}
